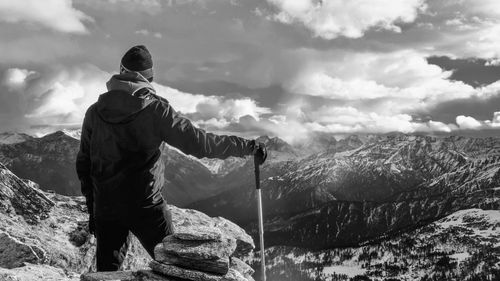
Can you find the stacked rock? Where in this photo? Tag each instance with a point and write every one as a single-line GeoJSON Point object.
{"type": "Point", "coordinates": [201, 254]}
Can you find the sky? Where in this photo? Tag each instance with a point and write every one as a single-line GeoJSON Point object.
{"type": "Point", "coordinates": [287, 68]}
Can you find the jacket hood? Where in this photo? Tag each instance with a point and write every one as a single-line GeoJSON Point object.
{"type": "Point", "coordinates": [119, 104]}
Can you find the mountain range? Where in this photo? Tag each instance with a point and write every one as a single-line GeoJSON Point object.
{"type": "Point", "coordinates": [326, 197]}
{"type": "Point", "coordinates": [387, 185]}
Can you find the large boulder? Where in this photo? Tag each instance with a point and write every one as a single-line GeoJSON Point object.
{"type": "Point", "coordinates": [199, 250]}
{"type": "Point", "coordinates": [200, 254]}
{"type": "Point", "coordinates": [14, 253]}
{"type": "Point", "coordinates": [22, 197]}
{"type": "Point", "coordinates": [192, 221]}
{"type": "Point", "coordinates": [30, 272]}
{"type": "Point", "coordinates": [218, 266]}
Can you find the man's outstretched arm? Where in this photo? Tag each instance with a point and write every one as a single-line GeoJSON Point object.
{"type": "Point", "coordinates": [179, 132]}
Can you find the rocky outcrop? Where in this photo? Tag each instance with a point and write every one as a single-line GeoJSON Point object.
{"type": "Point", "coordinates": [46, 232]}
{"type": "Point", "coordinates": [22, 197]}
{"type": "Point", "coordinates": [194, 252]}
{"type": "Point", "coordinates": [199, 254]}
{"type": "Point", "coordinates": [31, 272]}
{"type": "Point", "coordinates": [14, 253]}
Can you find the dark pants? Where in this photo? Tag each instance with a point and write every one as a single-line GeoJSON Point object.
{"type": "Point", "coordinates": [150, 225]}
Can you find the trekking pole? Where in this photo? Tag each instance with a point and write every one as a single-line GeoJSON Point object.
{"type": "Point", "coordinates": [261, 223]}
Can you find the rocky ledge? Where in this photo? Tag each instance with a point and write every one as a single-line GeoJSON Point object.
{"type": "Point", "coordinates": [194, 252]}
{"type": "Point", "coordinates": [44, 236]}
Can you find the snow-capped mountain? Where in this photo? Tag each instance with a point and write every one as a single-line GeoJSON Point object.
{"type": "Point", "coordinates": [278, 151]}
{"type": "Point", "coordinates": [388, 185]}
{"type": "Point", "coordinates": [389, 205]}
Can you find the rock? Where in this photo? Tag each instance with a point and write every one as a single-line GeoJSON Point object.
{"type": "Point", "coordinates": [149, 275]}
{"type": "Point", "coordinates": [217, 266]}
{"type": "Point", "coordinates": [31, 272]}
{"type": "Point", "coordinates": [109, 276]}
{"type": "Point", "coordinates": [241, 267]}
{"type": "Point", "coordinates": [39, 227]}
{"type": "Point", "coordinates": [189, 220]}
{"type": "Point", "coordinates": [141, 275]}
{"type": "Point", "coordinates": [201, 233]}
{"type": "Point", "coordinates": [194, 275]}
{"type": "Point", "coordinates": [23, 197]}
{"type": "Point", "coordinates": [199, 250]}
{"type": "Point", "coordinates": [244, 242]}
{"type": "Point", "coordinates": [14, 253]}
{"type": "Point", "coordinates": [233, 275]}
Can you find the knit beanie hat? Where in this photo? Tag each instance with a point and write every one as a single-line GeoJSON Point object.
{"type": "Point", "coordinates": [138, 59]}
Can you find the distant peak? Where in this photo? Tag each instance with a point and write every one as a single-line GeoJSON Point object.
{"type": "Point", "coordinates": [61, 135]}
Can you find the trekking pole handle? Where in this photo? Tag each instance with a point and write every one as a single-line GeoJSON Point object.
{"type": "Point", "coordinates": [257, 172]}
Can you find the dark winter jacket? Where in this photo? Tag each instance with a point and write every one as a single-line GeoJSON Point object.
{"type": "Point", "coordinates": [119, 161]}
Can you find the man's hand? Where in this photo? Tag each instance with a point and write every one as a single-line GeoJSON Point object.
{"type": "Point", "coordinates": [260, 152]}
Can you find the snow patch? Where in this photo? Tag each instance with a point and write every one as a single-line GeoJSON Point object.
{"type": "Point", "coordinates": [350, 271]}
{"type": "Point", "coordinates": [460, 257]}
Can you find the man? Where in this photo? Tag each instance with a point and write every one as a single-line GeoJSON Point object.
{"type": "Point", "coordinates": [119, 162]}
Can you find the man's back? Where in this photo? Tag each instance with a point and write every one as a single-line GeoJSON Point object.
{"type": "Point", "coordinates": [119, 162]}
{"type": "Point", "coordinates": [125, 152]}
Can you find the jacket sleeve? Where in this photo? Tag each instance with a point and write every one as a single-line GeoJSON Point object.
{"type": "Point", "coordinates": [179, 132]}
{"type": "Point", "coordinates": [83, 158]}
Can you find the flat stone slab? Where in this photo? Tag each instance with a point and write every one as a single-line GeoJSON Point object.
{"type": "Point", "coordinates": [199, 233]}
{"type": "Point", "coordinates": [194, 275]}
{"type": "Point", "coordinates": [217, 266]}
{"type": "Point", "coordinates": [141, 275]}
{"type": "Point", "coordinates": [199, 250]}
{"type": "Point", "coordinates": [109, 276]}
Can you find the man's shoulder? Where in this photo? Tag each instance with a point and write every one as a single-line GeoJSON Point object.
{"type": "Point", "coordinates": [91, 109]}
{"type": "Point", "coordinates": [159, 99]}
{"type": "Point", "coordinates": [158, 103]}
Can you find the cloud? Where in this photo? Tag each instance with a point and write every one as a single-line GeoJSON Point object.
{"type": "Point", "coordinates": [349, 18]}
{"type": "Point", "coordinates": [211, 110]}
{"type": "Point", "coordinates": [55, 14]}
{"type": "Point", "coordinates": [402, 81]}
{"type": "Point", "coordinates": [61, 95]}
{"type": "Point", "coordinates": [467, 122]}
{"type": "Point", "coordinates": [466, 28]}
{"type": "Point", "coordinates": [146, 32]}
{"type": "Point", "coordinates": [16, 78]}
{"type": "Point", "coordinates": [470, 123]}
{"type": "Point", "coordinates": [496, 118]}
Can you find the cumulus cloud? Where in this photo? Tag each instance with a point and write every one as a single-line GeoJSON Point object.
{"type": "Point", "coordinates": [402, 81]}
{"type": "Point", "coordinates": [61, 95]}
{"type": "Point", "coordinates": [213, 111]}
{"type": "Point", "coordinates": [467, 28]}
{"type": "Point", "coordinates": [55, 14]}
{"type": "Point", "coordinates": [15, 78]}
{"type": "Point", "coordinates": [471, 123]}
{"type": "Point", "coordinates": [467, 122]}
{"type": "Point", "coordinates": [349, 18]}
